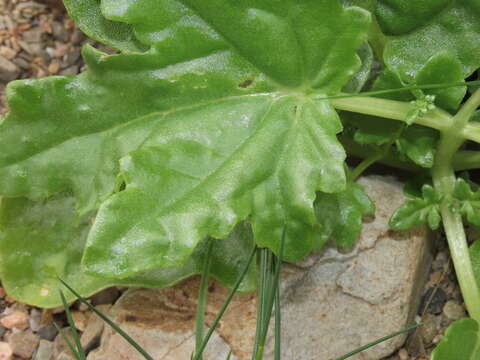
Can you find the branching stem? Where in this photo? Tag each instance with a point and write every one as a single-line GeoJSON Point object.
{"type": "Point", "coordinates": [444, 181]}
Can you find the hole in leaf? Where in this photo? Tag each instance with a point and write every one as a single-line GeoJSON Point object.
{"type": "Point", "coordinates": [246, 84]}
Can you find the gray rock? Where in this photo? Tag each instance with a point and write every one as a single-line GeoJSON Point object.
{"type": "Point", "coordinates": [332, 302]}
{"type": "Point", "coordinates": [35, 319]}
{"type": "Point", "coordinates": [8, 70]}
{"type": "Point", "coordinates": [347, 299]}
{"type": "Point", "coordinates": [44, 350]}
{"type": "Point", "coordinates": [47, 332]}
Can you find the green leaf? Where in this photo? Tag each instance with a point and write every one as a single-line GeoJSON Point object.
{"type": "Point", "coordinates": [356, 83]}
{"type": "Point", "coordinates": [204, 177]}
{"type": "Point", "coordinates": [415, 142]}
{"type": "Point", "coordinates": [340, 214]}
{"type": "Point", "coordinates": [87, 15]}
{"type": "Point", "coordinates": [218, 122]}
{"type": "Point", "coordinates": [476, 116]}
{"type": "Point", "coordinates": [423, 29]}
{"type": "Point", "coordinates": [419, 144]}
{"type": "Point", "coordinates": [469, 201]}
{"type": "Point", "coordinates": [44, 241]}
{"type": "Point", "coordinates": [418, 210]}
{"type": "Point", "coordinates": [474, 251]}
{"type": "Point", "coordinates": [461, 341]}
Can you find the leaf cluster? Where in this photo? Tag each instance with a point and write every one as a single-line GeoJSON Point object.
{"type": "Point", "coordinates": [212, 120]}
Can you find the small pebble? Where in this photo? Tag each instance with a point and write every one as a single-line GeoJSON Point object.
{"type": "Point", "coordinates": [6, 352]}
{"type": "Point", "coordinates": [47, 332]}
{"type": "Point", "coordinates": [403, 354]}
{"type": "Point", "coordinates": [35, 318]}
{"type": "Point", "coordinates": [17, 320]}
{"type": "Point", "coordinates": [80, 319]}
{"type": "Point", "coordinates": [66, 355]}
{"type": "Point", "coordinates": [59, 345]}
{"type": "Point", "coordinates": [71, 70]}
{"type": "Point", "coordinates": [440, 261]}
{"type": "Point", "coordinates": [54, 67]}
{"type": "Point", "coordinates": [429, 328]}
{"type": "Point", "coordinates": [436, 277]}
{"type": "Point", "coordinates": [94, 329]}
{"type": "Point", "coordinates": [33, 35]}
{"type": "Point", "coordinates": [44, 351]}
{"type": "Point", "coordinates": [453, 311]}
{"type": "Point", "coordinates": [7, 52]}
{"type": "Point", "coordinates": [437, 339]}
{"type": "Point", "coordinates": [23, 344]}
{"type": "Point", "coordinates": [8, 70]}
{"type": "Point", "coordinates": [435, 298]}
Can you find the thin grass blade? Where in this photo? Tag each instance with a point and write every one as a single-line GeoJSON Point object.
{"type": "Point", "coordinates": [202, 298]}
{"type": "Point", "coordinates": [122, 333]}
{"type": "Point", "coordinates": [267, 297]}
{"type": "Point", "coordinates": [262, 290]}
{"type": "Point", "coordinates": [229, 355]}
{"type": "Point", "coordinates": [376, 342]}
{"type": "Point", "coordinates": [278, 326]}
{"type": "Point", "coordinates": [225, 304]}
{"type": "Point", "coordinates": [68, 342]}
{"type": "Point", "coordinates": [73, 328]}
{"type": "Point", "coordinates": [406, 88]}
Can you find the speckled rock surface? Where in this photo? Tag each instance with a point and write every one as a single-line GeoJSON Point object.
{"type": "Point", "coordinates": [332, 302]}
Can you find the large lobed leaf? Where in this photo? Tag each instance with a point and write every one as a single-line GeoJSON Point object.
{"type": "Point", "coordinates": [213, 124]}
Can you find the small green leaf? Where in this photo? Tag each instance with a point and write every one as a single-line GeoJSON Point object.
{"type": "Point", "coordinates": [358, 81]}
{"type": "Point", "coordinates": [88, 16]}
{"type": "Point", "coordinates": [419, 144]}
{"type": "Point", "coordinates": [422, 29]}
{"type": "Point", "coordinates": [469, 201]}
{"type": "Point", "coordinates": [340, 214]}
{"type": "Point", "coordinates": [476, 116]}
{"type": "Point", "coordinates": [474, 251]}
{"type": "Point", "coordinates": [461, 341]}
{"type": "Point", "coordinates": [418, 210]}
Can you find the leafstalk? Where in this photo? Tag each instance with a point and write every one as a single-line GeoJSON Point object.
{"type": "Point", "coordinates": [444, 181]}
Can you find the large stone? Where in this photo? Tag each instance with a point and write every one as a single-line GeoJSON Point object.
{"type": "Point", "coordinates": [332, 302]}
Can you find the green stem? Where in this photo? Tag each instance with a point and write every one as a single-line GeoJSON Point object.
{"type": "Point", "coordinates": [364, 151]}
{"type": "Point", "coordinates": [397, 110]}
{"type": "Point", "coordinates": [466, 160]}
{"type": "Point", "coordinates": [392, 109]}
{"type": "Point", "coordinates": [202, 298]}
{"type": "Point", "coordinates": [444, 181]}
